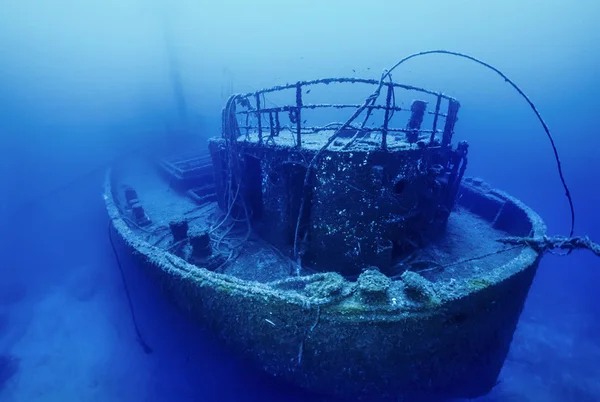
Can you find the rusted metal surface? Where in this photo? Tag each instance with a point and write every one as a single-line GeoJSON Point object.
{"type": "Point", "coordinates": [344, 196]}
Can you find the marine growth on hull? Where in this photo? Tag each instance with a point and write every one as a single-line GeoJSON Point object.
{"type": "Point", "coordinates": [336, 241]}
{"type": "Point", "coordinates": [337, 251]}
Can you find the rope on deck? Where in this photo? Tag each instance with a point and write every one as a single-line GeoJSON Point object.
{"type": "Point", "coordinates": [547, 244]}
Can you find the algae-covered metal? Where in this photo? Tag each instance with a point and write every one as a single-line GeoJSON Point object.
{"type": "Point", "coordinates": [353, 260]}
{"type": "Point", "coordinates": [373, 336]}
{"type": "Point", "coordinates": [380, 190]}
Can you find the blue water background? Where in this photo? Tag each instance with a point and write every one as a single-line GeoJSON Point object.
{"type": "Point", "coordinates": [83, 82]}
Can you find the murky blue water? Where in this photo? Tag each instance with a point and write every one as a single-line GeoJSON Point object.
{"type": "Point", "coordinates": [81, 82]}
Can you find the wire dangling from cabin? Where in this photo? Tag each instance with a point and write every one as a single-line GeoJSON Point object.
{"type": "Point", "coordinates": [371, 99]}
{"type": "Point", "coordinates": [544, 125]}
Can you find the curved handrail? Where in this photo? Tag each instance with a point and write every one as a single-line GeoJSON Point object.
{"type": "Point", "coordinates": [268, 119]}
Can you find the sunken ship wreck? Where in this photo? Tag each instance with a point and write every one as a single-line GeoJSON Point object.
{"type": "Point", "coordinates": [351, 258]}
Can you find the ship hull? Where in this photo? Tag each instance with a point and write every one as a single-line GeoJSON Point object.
{"type": "Point", "coordinates": [454, 347]}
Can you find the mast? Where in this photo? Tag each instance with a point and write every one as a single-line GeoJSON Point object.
{"type": "Point", "coordinates": [175, 74]}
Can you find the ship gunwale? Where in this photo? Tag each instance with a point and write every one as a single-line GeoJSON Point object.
{"type": "Point", "coordinates": [177, 266]}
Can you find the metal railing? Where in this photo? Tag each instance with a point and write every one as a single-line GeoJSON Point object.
{"type": "Point", "coordinates": [268, 119]}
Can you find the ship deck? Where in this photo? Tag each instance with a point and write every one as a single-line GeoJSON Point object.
{"type": "Point", "coordinates": [466, 252]}
{"type": "Point", "coordinates": [315, 141]}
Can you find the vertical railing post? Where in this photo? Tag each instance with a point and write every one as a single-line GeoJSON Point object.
{"type": "Point", "coordinates": [417, 112]}
{"type": "Point", "coordinates": [248, 125]}
{"type": "Point", "coordinates": [258, 116]}
{"type": "Point", "coordinates": [386, 119]}
{"type": "Point", "coordinates": [271, 128]}
{"type": "Point", "coordinates": [435, 119]}
{"type": "Point", "coordinates": [298, 114]}
{"type": "Point", "coordinates": [453, 107]}
{"type": "Point", "coordinates": [277, 124]}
